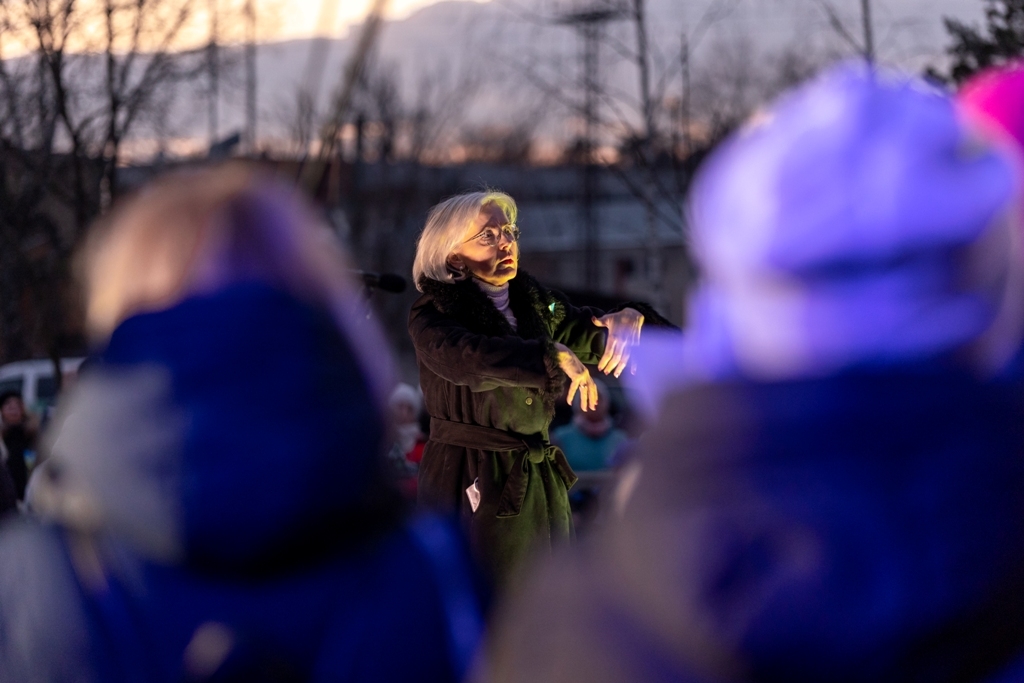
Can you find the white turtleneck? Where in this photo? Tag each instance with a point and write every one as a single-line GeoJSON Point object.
{"type": "Point", "coordinates": [498, 294]}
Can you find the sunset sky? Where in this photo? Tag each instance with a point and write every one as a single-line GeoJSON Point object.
{"type": "Point", "coordinates": [302, 18]}
{"type": "Point", "coordinates": [277, 20]}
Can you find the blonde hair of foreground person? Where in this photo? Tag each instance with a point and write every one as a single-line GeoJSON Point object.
{"type": "Point", "coordinates": [196, 231]}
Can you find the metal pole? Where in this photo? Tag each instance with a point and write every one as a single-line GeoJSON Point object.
{"type": "Point", "coordinates": [587, 21]}
{"type": "Point", "coordinates": [645, 70]}
{"type": "Point", "coordinates": [313, 172]}
{"type": "Point", "coordinates": [653, 256]}
{"type": "Point", "coordinates": [212, 65]}
{"type": "Point", "coordinates": [685, 113]}
{"type": "Point", "coordinates": [681, 129]}
{"type": "Point", "coordinates": [589, 217]}
{"type": "Point", "coordinates": [869, 40]}
{"type": "Point", "coordinates": [250, 76]}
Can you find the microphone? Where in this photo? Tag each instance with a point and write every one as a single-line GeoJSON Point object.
{"type": "Point", "coordinates": [386, 282]}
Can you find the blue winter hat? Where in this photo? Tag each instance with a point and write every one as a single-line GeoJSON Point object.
{"type": "Point", "coordinates": [234, 430]}
{"type": "Point", "coordinates": [856, 223]}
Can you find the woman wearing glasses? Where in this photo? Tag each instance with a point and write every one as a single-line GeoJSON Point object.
{"type": "Point", "coordinates": [495, 351]}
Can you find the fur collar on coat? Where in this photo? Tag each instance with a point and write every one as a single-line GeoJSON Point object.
{"type": "Point", "coordinates": [536, 309]}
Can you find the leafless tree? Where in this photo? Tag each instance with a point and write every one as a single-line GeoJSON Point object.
{"type": "Point", "coordinates": [420, 124]}
{"type": "Point", "coordinates": [132, 44]}
{"type": "Point", "coordinates": [438, 111]}
{"type": "Point", "coordinates": [88, 74]}
{"type": "Point", "coordinates": [297, 114]}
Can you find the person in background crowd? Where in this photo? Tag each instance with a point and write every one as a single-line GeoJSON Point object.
{"type": "Point", "coordinates": [591, 439]}
{"type": "Point", "coordinates": [592, 444]}
{"type": "Point", "coordinates": [833, 490]}
{"type": "Point", "coordinates": [195, 530]}
{"type": "Point", "coordinates": [405, 405]}
{"type": "Point", "coordinates": [495, 348]}
{"type": "Point", "coordinates": [8, 493]}
{"type": "Point", "coordinates": [19, 440]}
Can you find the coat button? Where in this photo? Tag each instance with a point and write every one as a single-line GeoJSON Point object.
{"type": "Point", "coordinates": [529, 401]}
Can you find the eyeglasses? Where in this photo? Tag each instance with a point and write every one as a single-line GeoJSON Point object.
{"type": "Point", "coordinates": [490, 236]}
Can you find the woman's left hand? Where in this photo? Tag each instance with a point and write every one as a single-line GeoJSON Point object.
{"type": "Point", "coordinates": [623, 334]}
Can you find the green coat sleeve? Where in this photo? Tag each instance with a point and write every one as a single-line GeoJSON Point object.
{"type": "Point", "coordinates": [479, 361]}
{"type": "Point", "coordinates": [574, 327]}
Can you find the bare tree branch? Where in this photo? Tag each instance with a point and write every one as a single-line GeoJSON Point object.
{"type": "Point", "coordinates": [837, 25]}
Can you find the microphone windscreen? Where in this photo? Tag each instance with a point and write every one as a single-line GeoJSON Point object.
{"type": "Point", "coordinates": [389, 282]}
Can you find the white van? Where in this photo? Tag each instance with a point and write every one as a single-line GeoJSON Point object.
{"type": "Point", "coordinates": [34, 380]}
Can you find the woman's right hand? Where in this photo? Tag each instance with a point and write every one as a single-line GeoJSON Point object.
{"type": "Point", "coordinates": [579, 376]}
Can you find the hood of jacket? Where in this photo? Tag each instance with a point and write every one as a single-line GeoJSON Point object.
{"type": "Point", "coordinates": [234, 431]}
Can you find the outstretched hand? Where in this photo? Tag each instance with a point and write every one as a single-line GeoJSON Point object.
{"type": "Point", "coordinates": [579, 376]}
{"type": "Point", "coordinates": [623, 334]}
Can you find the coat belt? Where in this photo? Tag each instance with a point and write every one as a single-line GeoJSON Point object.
{"type": "Point", "coordinates": [487, 438]}
{"type": "Point", "coordinates": [534, 448]}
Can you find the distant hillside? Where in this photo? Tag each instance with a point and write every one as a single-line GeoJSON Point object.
{"type": "Point", "coordinates": [497, 43]}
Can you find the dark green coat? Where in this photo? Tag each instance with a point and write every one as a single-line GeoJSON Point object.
{"type": "Point", "coordinates": [476, 370]}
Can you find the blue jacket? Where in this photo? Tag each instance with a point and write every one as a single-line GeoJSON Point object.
{"type": "Point", "coordinates": [865, 527]}
{"type": "Point", "coordinates": [219, 510]}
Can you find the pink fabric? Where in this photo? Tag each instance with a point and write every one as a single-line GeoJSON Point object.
{"type": "Point", "coordinates": [995, 97]}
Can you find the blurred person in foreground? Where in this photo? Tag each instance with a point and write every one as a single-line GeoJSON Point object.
{"type": "Point", "coordinates": [833, 489]}
{"type": "Point", "coordinates": [216, 505]}
{"type": "Point", "coordinates": [495, 350]}
{"type": "Point", "coordinates": [19, 440]}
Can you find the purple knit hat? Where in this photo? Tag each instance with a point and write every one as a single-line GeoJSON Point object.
{"type": "Point", "coordinates": [854, 223]}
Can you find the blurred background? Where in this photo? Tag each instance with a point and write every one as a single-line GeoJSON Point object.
{"type": "Point", "coordinates": [593, 114]}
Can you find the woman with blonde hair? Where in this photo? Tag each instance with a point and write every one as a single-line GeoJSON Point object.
{"type": "Point", "coordinates": [217, 494]}
{"type": "Point", "coordinates": [495, 351]}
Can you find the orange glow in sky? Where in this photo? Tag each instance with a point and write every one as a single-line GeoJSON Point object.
{"type": "Point", "coordinates": [276, 20]}
{"type": "Point", "coordinates": [302, 18]}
